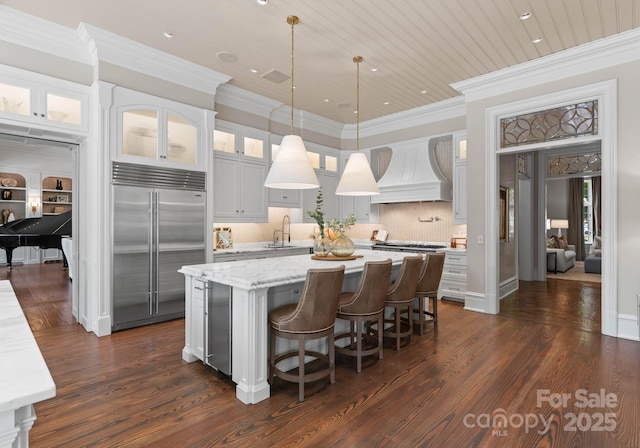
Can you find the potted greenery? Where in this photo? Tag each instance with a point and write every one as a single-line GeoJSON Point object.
{"type": "Point", "coordinates": [321, 245]}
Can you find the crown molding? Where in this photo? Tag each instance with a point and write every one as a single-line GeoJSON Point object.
{"type": "Point", "coordinates": [597, 55]}
{"type": "Point", "coordinates": [307, 120]}
{"type": "Point", "coordinates": [33, 32]}
{"type": "Point", "coordinates": [117, 50]}
{"type": "Point", "coordinates": [419, 116]}
{"type": "Point", "coordinates": [241, 99]}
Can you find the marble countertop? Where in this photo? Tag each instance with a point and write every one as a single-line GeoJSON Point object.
{"type": "Point", "coordinates": [268, 272]}
{"type": "Point", "coordinates": [24, 375]}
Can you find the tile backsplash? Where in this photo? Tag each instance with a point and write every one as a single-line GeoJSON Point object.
{"type": "Point", "coordinates": [402, 221]}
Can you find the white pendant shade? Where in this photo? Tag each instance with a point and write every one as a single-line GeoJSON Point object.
{"type": "Point", "coordinates": [292, 168]}
{"type": "Point", "coordinates": [357, 178]}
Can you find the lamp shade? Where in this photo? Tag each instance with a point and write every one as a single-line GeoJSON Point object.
{"type": "Point", "coordinates": [559, 223]}
{"type": "Point", "coordinates": [291, 168]}
{"type": "Point", "coordinates": [357, 178]}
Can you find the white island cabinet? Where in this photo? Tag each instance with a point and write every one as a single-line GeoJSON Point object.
{"type": "Point", "coordinates": [255, 287]}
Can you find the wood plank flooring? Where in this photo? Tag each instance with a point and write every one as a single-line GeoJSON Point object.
{"type": "Point", "coordinates": [132, 389]}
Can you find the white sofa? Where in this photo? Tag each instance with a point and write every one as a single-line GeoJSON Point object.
{"type": "Point", "coordinates": [561, 260]}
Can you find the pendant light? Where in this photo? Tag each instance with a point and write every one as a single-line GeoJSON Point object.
{"type": "Point", "coordinates": [357, 178]}
{"type": "Point", "coordinates": [291, 168]}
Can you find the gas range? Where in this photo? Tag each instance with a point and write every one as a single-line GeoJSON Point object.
{"type": "Point", "coordinates": [409, 247]}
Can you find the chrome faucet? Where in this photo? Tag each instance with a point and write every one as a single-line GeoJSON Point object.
{"type": "Point", "coordinates": [288, 232]}
{"type": "Point", "coordinates": [282, 232]}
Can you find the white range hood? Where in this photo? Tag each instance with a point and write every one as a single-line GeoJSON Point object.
{"type": "Point", "coordinates": [413, 174]}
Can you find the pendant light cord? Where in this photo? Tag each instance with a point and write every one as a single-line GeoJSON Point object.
{"type": "Point", "coordinates": [292, 20]}
{"type": "Point", "coordinates": [357, 60]}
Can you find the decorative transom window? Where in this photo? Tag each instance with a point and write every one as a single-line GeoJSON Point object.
{"type": "Point", "coordinates": [552, 124]}
{"type": "Point", "coordinates": [567, 164]}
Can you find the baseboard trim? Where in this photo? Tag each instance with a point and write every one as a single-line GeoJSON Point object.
{"type": "Point", "coordinates": [475, 302]}
{"type": "Point", "coordinates": [507, 287]}
{"type": "Point", "coordinates": [628, 327]}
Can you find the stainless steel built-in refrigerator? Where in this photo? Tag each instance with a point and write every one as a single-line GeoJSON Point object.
{"type": "Point", "coordinates": [157, 229]}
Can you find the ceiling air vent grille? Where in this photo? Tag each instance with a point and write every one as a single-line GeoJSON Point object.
{"type": "Point", "coordinates": [274, 75]}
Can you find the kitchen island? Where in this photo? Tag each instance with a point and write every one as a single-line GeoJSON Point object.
{"type": "Point", "coordinates": [253, 288]}
{"type": "Point", "coordinates": [24, 375]}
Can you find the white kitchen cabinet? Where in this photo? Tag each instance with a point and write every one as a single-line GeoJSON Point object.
{"type": "Point", "coordinates": [239, 193]}
{"type": "Point", "coordinates": [331, 202]}
{"type": "Point", "coordinates": [359, 206]}
{"type": "Point", "coordinates": [240, 142]}
{"type": "Point", "coordinates": [198, 317]}
{"type": "Point", "coordinates": [453, 283]}
{"type": "Point", "coordinates": [43, 100]}
{"type": "Point", "coordinates": [157, 131]}
{"type": "Point", "coordinates": [460, 178]}
{"type": "Point", "coordinates": [279, 197]}
{"type": "Point", "coordinates": [240, 168]}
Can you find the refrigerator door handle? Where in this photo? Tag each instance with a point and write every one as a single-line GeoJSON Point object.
{"type": "Point", "coordinates": [151, 216]}
{"type": "Point", "coordinates": [156, 250]}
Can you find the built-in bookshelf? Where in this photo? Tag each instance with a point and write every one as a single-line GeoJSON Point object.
{"type": "Point", "coordinates": [57, 195]}
{"type": "Point", "coordinates": [14, 196]}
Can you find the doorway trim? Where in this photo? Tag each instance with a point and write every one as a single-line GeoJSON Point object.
{"type": "Point", "coordinates": [606, 94]}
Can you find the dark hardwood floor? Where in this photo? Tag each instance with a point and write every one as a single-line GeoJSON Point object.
{"type": "Point", "coordinates": [450, 389]}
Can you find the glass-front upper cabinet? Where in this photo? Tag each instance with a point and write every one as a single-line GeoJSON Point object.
{"type": "Point", "coordinates": [234, 140]}
{"type": "Point", "coordinates": [140, 133]}
{"type": "Point", "coordinates": [182, 140]}
{"type": "Point", "coordinates": [323, 158]}
{"type": "Point", "coordinates": [37, 102]}
{"type": "Point", "coordinates": [460, 146]}
{"type": "Point", "coordinates": [164, 132]}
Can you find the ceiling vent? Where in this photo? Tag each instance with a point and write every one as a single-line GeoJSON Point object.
{"type": "Point", "coordinates": [413, 174]}
{"type": "Point", "coordinates": [274, 75]}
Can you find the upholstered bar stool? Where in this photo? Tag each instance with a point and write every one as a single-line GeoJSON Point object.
{"type": "Point", "coordinates": [428, 290]}
{"type": "Point", "coordinates": [366, 304]}
{"type": "Point", "coordinates": [313, 317]}
{"type": "Point", "coordinates": [400, 295]}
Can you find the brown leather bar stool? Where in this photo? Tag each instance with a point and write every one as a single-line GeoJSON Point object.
{"type": "Point", "coordinates": [313, 317]}
{"type": "Point", "coordinates": [364, 305]}
{"type": "Point", "coordinates": [428, 290]}
{"type": "Point", "coordinates": [400, 295]}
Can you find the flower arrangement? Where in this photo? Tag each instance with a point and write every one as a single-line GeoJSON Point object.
{"type": "Point", "coordinates": [335, 227]}
{"type": "Point", "coordinates": [338, 226]}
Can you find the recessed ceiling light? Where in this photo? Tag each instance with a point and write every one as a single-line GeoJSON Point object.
{"type": "Point", "coordinates": [537, 40]}
{"type": "Point", "coordinates": [169, 35]}
{"type": "Point", "coordinates": [326, 100]}
{"type": "Point", "coordinates": [254, 70]}
{"type": "Point", "coordinates": [262, 2]}
{"type": "Point", "coordinates": [373, 69]}
{"type": "Point", "coordinates": [386, 103]}
{"type": "Point", "coordinates": [423, 91]}
{"type": "Point", "coordinates": [355, 111]}
{"type": "Point", "coordinates": [525, 15]}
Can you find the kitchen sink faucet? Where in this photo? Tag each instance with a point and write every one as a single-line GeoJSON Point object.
{"type": "Point", "coordinates": [282, 232]}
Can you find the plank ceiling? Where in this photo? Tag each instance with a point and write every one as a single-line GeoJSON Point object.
{"type": "Point", "coordinates": [416, 45]}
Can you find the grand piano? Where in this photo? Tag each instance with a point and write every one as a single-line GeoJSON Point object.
{"type": "Point", "coordinates": [45, 232]}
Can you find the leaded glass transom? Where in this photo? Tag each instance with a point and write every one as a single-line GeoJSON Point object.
{"type": "Point", "coordinates": [574, 164]}
{"type": "Point", "coordinates": [552, 124]}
